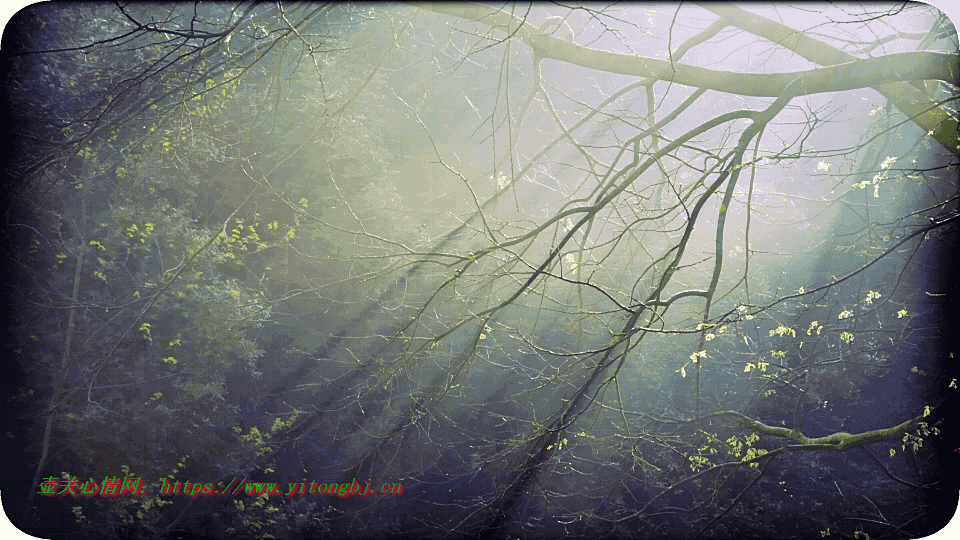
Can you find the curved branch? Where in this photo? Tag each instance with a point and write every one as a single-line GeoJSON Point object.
{"type": "Point", "coordinates": [917, 105]}
{"type": "Point", "coordinates": [679, 295]}
{"type": "Point", "coordinates": [836, 441]}
{"type": "Point", "coordinates": [865, 73]}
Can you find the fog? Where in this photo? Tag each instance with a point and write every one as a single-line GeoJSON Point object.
{"type": "Point", "coordinates": [630, 271]}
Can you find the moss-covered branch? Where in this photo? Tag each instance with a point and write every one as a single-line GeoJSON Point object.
{"type": "Point", "coordinates": [836, 441]}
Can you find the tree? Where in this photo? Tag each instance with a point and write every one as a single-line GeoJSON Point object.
{"type": "Point", "coordinates": [623, 271]}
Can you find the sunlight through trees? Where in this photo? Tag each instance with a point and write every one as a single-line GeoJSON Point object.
{"type": "Point", "coordinates": [505, 271]}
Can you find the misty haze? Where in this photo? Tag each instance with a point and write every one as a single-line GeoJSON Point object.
{"type": "Point", "coordinates": [466, 271]}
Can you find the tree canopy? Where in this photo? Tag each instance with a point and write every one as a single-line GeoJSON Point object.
{"type": "Point", "coordinates": [521, 270]}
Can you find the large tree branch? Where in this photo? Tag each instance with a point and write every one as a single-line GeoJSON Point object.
{"type": "Point", "coordinates": [853, 74]}
{"type": "Point", "coordinates": [836, 441]}
{"type": "Point", "coordinates": [915, 104]}
{"type": "Point", "coordinates": [844, 71]}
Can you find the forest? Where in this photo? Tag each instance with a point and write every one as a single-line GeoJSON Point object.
{"type": "Point", "coordinates": [460, 270]}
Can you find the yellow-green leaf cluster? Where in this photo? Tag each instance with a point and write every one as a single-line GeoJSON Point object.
{"type": "Point", "coordinates": [783, 330]}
